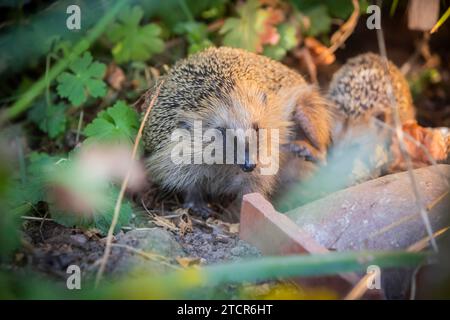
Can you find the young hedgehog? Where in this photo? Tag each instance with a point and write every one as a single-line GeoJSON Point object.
{"type": "Point", "coordinates": [359, 91]}
{"type": "Point", "coordinates": [225, 88]}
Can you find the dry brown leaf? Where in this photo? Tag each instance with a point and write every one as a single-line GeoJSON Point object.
{"type": "Point", "coordinates": [233, 228]}
{"type": "Point", "coordinates": [165, 223]}
{"type": "Point", "coordinates": [321, 54]}
{"type": "Point", "coordinates": [431, 139]}
{"type": "Point", "coordinates": [184, 222]}
{"type": "Point", "coordinates": [186, 262]}
{"type": "Point", "coordinates": [115, 76]}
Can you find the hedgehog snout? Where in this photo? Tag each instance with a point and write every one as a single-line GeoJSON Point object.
{"type": "Point", "coordinates": [248, 165]}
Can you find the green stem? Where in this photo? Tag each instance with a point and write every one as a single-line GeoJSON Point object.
{"type": "Point", "coordinates": [24, 102]}
{"type": "Point", "coordinates": [393, 7]}
{"type": "Point", "coordinates": [186, 10]}
{"type": "Point", "coordinates": [180, 284]}
{"type": "Point", "coordinates": [441, 21]}
{"type": "Point", "coordinates": [306, 265]}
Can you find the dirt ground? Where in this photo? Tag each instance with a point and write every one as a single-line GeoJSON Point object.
{"type": "Point", "coordinates": [50, 248]}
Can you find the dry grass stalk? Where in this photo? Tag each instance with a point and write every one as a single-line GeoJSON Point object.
{"type": "Point", "coordinates": [341, 35]}
{"type": "Point", "coordinates": [123, 187]}
{"type": "Point", "coordinates": [400, 138]}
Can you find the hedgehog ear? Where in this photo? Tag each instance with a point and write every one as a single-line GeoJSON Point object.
{"type": "Point", "coordinates": [310, 112]}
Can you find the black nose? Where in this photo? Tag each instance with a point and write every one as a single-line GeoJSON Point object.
{"type": "Point", "coordinates": [248, 167]}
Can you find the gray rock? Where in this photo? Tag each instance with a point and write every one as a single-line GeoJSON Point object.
{"type": "Point", "coordinates": [154, 241]}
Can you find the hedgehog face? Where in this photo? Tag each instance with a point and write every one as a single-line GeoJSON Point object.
{"type": "Point", "coordinates": [251, 126]}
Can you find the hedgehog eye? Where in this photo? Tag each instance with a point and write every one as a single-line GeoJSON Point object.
{"type": "Point", "coordinates": [183, 125]}
{"type": "Point", "coordinates": [381, 116]}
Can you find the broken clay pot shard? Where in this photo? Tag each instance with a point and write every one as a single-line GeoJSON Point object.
{"type": "Point", "coordinates": [380, 214]}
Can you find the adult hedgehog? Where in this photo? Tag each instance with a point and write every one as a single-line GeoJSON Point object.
{"type": "Point", "coordinates": [225, 88]}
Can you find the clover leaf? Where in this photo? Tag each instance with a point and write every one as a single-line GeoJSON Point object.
{"type": "Point", "coordinates": [132, 41]}
{"type": "Point", "coordinates": [117, 123]}
{"type": "Point", "coordinates": [84, 80]}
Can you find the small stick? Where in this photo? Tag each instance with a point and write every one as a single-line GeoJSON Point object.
{"type": "Point", "coordinates": [42, 225]}
{"type": "Point", "coordinates": [340, 36]}
{"type": "Point", "coordinates": [35, 218]}
{"type": "Point", "coordinates": [80, 123]}
{"type": "Point", "coordinates": [115, 218]}
{"type": "Point", "coordinates": [147, 255]}
{"type": "Point", "coordinates": [400, 137]}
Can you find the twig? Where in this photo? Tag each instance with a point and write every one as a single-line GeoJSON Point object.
{"type": "Point", "coordinates": [423, 243]}
{"type": "Point", "coordinates": [305, 55]}
{"type": "Point", "coordinates": [345, 31]}
{"type": "Point", "coordinates": [413, 290]}
{"type": "Point", "coordinates": [36, 218]}
{"type": "Point", "coordinates": [420, 47]}
{"type": "Point", "coordinates": [407, 218]}
{"type": "Point", "coordinates": [115, 218]}
{"type": "Point", "coordinates": [360, 288]}
{"type": "Point", "coordinates": [80, 123]}
{"type": "Point", "coordinates": [160, 221]}
{"type": "Point", "coordinates": [42, 225]}
{"type": "Point", "coordinates": [147, 255]}
{"type": "Point", "coordinates": [399, 133]}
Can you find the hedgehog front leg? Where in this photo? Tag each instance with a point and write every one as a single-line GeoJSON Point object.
{"type": "Point", "coordinates": [312, 119]}
{"type": "Point", "coordinates": [302, 149]}
{"type": "Point", "coordinates": [195, 201]}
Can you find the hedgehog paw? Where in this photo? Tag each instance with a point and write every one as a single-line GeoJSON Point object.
{"type": "Point", "coordinates": [302, 151]}
{"type": "Point", "coordinates": [199, 209]}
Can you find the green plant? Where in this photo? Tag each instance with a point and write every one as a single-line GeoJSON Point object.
{"type": "Point", "coordinates": [36, 90]}
{"type": "Point", "coordinates": [133, 42]}
{"type": "Point", "coordinates": [85, 79]}
{"type": "Point", "coordinates": [245, 30]}
{"type": "Point", "coordinates": [117, 123]}
{"type": "Point", "coordinates": [197, 35]}
{"type": "Point", "coordinates": [51, 119]}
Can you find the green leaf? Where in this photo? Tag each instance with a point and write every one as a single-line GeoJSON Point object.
{"type": "Point", "coordinates": [102, 221]}
{"type": "Point", "coordinates": [68, 175]}
{"type": "Point", "coordinates": [244, 32]}
{"type": "Point", "coordinates": [84, 80]}
{"type": "Point", "coordinates": [32, 190]}
{"type": "Point", "coordinates": [341, 9]}
{"type": "Point", "coordinates": [216, 11]}
{"type": "Point", "coordinates": [320, 21]}
{"type": "Point", "coordinates": [197, 35]}
{"type": "Point", "coordinates": [288, 41]}
{"type": "Point", "coordinates": [117, 123]}
{"type": "Point", "coordinates": [51, 118]}
{"type": "Point", "coordinates": [132, 41]}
